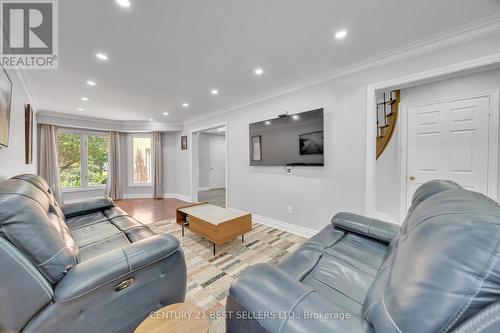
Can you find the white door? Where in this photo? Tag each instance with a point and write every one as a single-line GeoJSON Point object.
{"type": "Point", "coordinates": [449, 140]}
{"type": "Point", "coordinates": [217, 162]}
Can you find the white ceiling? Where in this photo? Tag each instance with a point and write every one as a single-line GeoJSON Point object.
{"type": "Point", "coordinates": [166, 52]}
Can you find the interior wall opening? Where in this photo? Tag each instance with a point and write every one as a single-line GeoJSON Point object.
{"type": "Point", "coordinates": [209, 160]}
{"type": "Point", "coordinates": [446, 128]}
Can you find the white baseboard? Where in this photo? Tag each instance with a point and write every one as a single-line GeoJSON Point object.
{"type": "Point", "coordinates": [177, 196]}
{"type": "Point", "coordinates": [137, 196]}
{"type": "Point", "coordinates": [284, 226]}
{"type": "Point", "coordinates": [150, 196]}
{"type": "Point", "coordinates": [204, 188]}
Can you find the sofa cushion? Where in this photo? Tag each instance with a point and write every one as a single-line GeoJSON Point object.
{"type": "Point", "coordinates": [338, 265]}
{"type": "Point", "coordinates": [113, 212]}
{"type": "Point", "coordinates": [97, 233]}
{"type": "Point", "coordinates": [445, 266]}
{"type": "Point", "coordinates": [29, 219]}
{"type": "Point", "coordinates": [41, 184]}
{"type": "Point", "coordinates": [102, 246]}
{"type": "Point", "coordinates": [85, 220]}
{"type": "Point", "coordinates": [87, 206]}
{"type": "Point", "coordinates": [94, 233]}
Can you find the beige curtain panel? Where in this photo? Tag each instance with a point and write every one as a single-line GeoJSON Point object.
{"type": "Point", "coordinates": [48, 165]}
{"type": "Point", "coordinates": [158, 165]}
{"type": "Point", "coordinates": [114, 184]}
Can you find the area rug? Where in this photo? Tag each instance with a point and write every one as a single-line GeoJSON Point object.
{"type": "Point", "coordinates": [209, 276]}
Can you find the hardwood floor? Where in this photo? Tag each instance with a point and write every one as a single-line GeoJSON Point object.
{"type": "Point", "coordinates": [150, 210]}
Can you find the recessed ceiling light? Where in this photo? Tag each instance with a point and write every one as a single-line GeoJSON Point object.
{"type": "Point", "coordinates": [341, 34]}
{"type": "Point", "coordinates": [295, 117]}
{"type": "Point", "coordinates": [85, 99]}
{"type": "Point", "coordinates": [165, 113]}
{"type": "Point", "coordinates": [258, 71]}
{"type": "Point", "coordinates": [91, 83]}
{"type": "Point", "coordinates": [268, 122]}
{"type": "Point", "coordinates": [150, 119]}
{"type": "Point", "coordinates": [186, 105]}
{"type": "Point", "coordinates": [123, 3]}
{"type": "Point", "coordinates": [80, 109]}
{"type": "Point", "coordinates": [214, 92]}
{"type": "Point", "coordinates": [101, 56]}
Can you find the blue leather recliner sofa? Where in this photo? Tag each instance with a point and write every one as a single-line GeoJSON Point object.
{"type": "Point", "coordinates": [439, 272]}
{"type": "Point", "coordinates": [82, 267]}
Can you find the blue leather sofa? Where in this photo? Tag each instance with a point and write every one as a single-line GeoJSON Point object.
{"type": "Point", "coordinates": [83, 267]}
{"type": "Point", "coordinates": [438, 272]}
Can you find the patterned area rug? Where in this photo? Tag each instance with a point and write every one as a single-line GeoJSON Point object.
{"type": "Point", "coordinates": [209, 276]}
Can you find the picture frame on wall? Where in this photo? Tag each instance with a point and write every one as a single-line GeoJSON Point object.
{"type": "Point", "coordinates": [5, 104]}
{"type": "Point", "coordinates": [28, 134]}
{"type": "Point", "coordinates": [184, 142]}
{"type": "Point", "coordinates": [257, 148]}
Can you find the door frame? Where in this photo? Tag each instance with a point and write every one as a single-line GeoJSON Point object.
{"type": "Point", "coordinates": [194, 147]}
{"type": "Point", "coordinates": [210, 160]}
{"type": "Point", "coordinates": [403, 81]}
{"type": "Point", "coordinates": [493, 129]}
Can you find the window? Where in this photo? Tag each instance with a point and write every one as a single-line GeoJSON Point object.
{"type": "Point", "coordinates": [140, 148]}
{"type": "Point", "coordinates": [97, 159]}
{"type": "Point", "coordinates": [83, 159]}
{"type": "Point", "coordinates": [70, 162]}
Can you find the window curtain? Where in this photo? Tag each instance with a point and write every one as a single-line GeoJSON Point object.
{"type": "Point", "coordinates": [48, 165]}
{"type": "Point", "coordinates": [158, 165]}
{"type": "Point", "coordinates": [114, 183]}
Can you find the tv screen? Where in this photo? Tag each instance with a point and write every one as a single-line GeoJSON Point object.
{"type": "Point", "coordinates": [292, 140]}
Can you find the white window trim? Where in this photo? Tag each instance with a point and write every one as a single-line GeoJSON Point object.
{"type": "Point", "coordinates": [130, 154]}
{"type": "Point", "coordinates": [83, 160]}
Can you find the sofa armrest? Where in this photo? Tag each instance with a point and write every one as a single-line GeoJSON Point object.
{"type": "Point", "coordinates": [373, 228]}
{"type": "Point", "coordinates": [114, 267]}
{"type": "Point", "coordinates": [266, 299]}
{"type": "Point", "coordinates": [86, 206]}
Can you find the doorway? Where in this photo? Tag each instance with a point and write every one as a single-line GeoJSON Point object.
{"type": "Point", "coordinates": [452, 139]}
{"type": "Point", "coordinates": [447, 129]}
{"type": "Point", "coordinates": [209, 162]}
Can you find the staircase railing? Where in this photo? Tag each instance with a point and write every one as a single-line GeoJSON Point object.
{"type": "Point", "coordinates": [387, 117]}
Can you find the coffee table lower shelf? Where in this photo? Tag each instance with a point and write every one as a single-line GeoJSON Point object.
{"type": "Point", "coordinates": [217, 225]}
{"type": "Point", "coordinates": [242, 238]}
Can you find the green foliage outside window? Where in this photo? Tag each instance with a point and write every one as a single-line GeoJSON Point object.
{"type": "Point", "coordinates": [70, 164]}
{"type": "Point", "coordinates": [98, 146]}
{"type": "Point", "coordinates": [69, 159]}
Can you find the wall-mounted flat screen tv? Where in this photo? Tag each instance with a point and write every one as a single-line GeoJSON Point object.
{"type": "Point", "coordinates": [291, 140]}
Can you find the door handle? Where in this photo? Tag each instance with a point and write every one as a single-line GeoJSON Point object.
{"type": "Point", "coordinates": [413, 178]}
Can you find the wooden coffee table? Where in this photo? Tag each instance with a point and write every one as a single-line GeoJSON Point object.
{"type": "Point", "coordinates": [218, 225]}
{"type": "Point", "coordinates": [175, 318]}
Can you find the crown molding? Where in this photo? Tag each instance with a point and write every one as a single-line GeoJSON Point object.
{"type": "Point", "coordinates": [24, 81]}
{"type": "Point", "coordinates": [463, 34]}
{"type": "Point", "coordinates": [84, 122]}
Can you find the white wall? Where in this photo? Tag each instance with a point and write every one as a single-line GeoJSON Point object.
{"type": "Point", "coordinates": [388, 165]}
{"type": "Point", "coordinates": [180, 160]}
{"type": "Point", "coordinates": [171, 143]}
{"type": "Point", "coordinates": [12, 160]}
{"type": "Point", "coordinates": [316, 193]}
